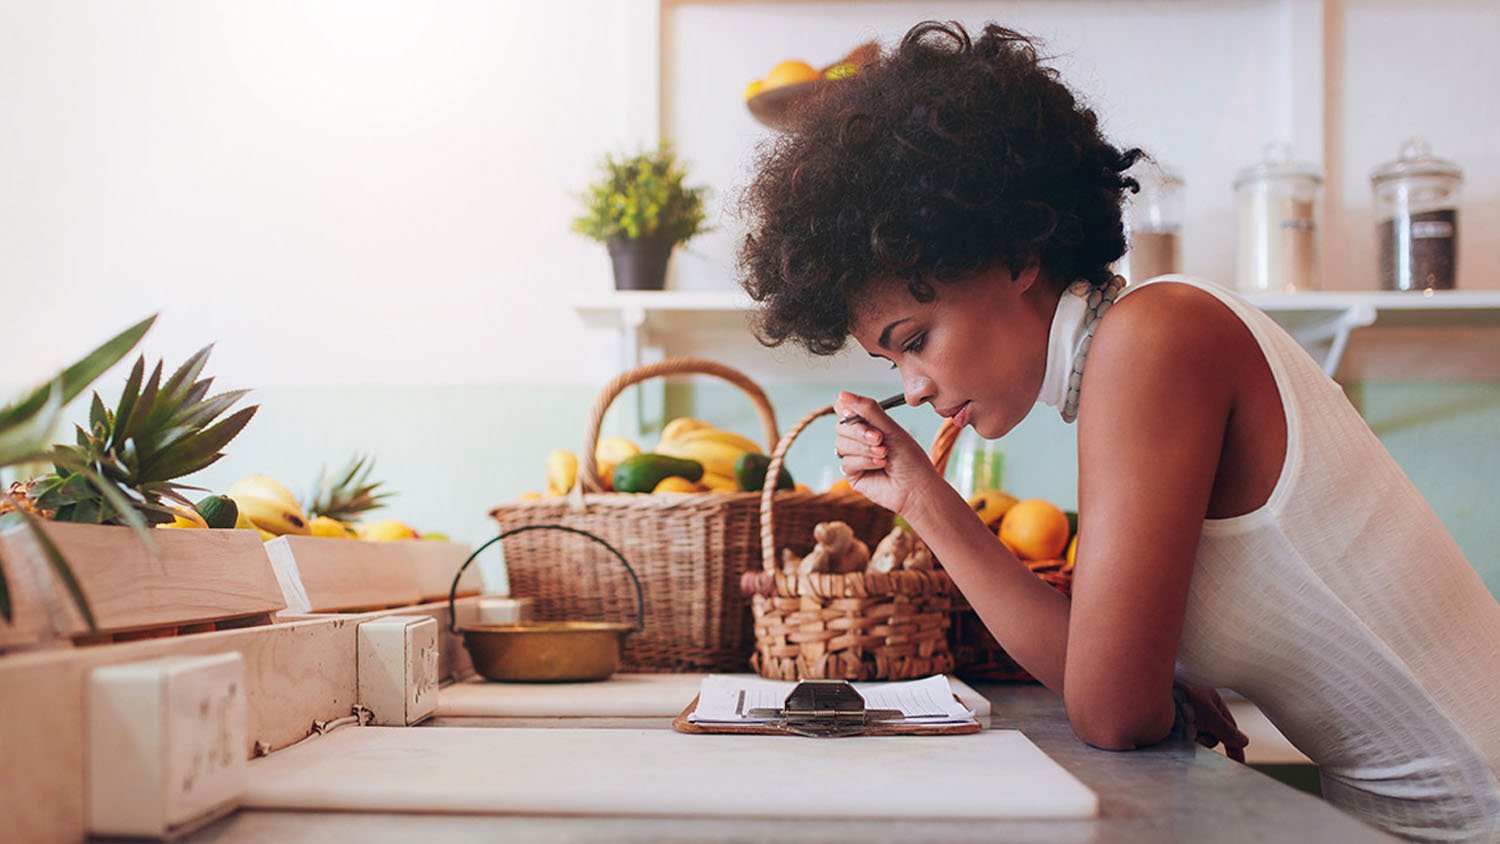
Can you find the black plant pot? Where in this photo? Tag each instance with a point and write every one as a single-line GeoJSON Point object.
{"type": "Point", "coordinates": [640, 264]}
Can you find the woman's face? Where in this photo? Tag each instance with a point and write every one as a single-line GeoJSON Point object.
{"type": "Point", "coordinates": [976, 352]}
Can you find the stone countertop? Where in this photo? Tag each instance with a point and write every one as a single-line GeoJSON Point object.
{"type": "Point", "coordinates": [1175, 791]}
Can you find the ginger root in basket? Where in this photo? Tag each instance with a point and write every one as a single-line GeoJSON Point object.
{"type": "Point", "coordinates": [920, 558]}
{"type": "Point", "coordinates": [891, 552]}
{"type": "Point", "coordinates": [837, 551]}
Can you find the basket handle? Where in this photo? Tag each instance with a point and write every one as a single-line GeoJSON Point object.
{"type": "Point", "coordinates": [640, 598]}
{"type": "Point", "coordinates": [942, 446]}
{"type": "Point", "coordinates": [588, 470]}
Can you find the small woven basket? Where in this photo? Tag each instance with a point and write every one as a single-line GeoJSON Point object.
{"type": "Point", "coordinates": [976, 654]}
{"type": "Point", "coordinates": [690, 550]}
{"type": "Point", "coordinates": [855, 626]}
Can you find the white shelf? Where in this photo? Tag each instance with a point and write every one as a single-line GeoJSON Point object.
{"type": "Point", "coordinates": [1320, 320]}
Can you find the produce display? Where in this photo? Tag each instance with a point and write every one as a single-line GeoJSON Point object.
{"type": "Point", "coordinates": [691, 456]}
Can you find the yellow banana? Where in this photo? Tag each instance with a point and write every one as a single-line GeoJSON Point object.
{"type": "Point", "coordinates": [681, 425]}
{"type": "Point", "coordinates": [720, 436]}
{"type": "Point", "coordinates": [717, 457]}
{"type": "Point", "coordinates": [562, 469]}
{"type": "Point", "coordinates": [273, 517]}
{"type": "Point", "coordinates": [265, 488]}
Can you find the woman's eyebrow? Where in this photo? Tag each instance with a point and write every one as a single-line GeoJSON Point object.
{"type": "Point", "coordinates": [885, 336]}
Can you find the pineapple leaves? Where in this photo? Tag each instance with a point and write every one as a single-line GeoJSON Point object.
{"type": "Point", "coordinates": [201, 449]}
{"type": "Point", "coordinates": [26, 436]}
{"type": "Point", "coordinates": [128, 398]}
{"type": "Point", "coordinates": [350, 496]}
{"type": "Point", "coordinates": [76, 378]}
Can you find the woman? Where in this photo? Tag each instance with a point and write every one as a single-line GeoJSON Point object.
{"type": "Point", "coordinates": [954, 210]}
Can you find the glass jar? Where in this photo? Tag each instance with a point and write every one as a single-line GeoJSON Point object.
{"type": "Point", "coordinates": [1277, 203]}
{"type": "Point", "coordinates": [1416, 220]}
{"type": "Point", "coordinates": [1155, 223]}
{"type": "Point", "coordinates": [977, 464]}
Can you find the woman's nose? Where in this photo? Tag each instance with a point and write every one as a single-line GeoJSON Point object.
{"type": "Point", "coordinates": [918, 390]}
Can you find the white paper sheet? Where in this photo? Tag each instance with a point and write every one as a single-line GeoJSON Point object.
{"type": "Point", "coordinates": [726, 699]}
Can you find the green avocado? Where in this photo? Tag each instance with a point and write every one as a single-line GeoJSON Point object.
{"type": "Point", "coordinates": [642, 472]}
{"type": "Point", "coordinates": [219, 511]}
{"type": "Point", "coordinates": [750, 473]}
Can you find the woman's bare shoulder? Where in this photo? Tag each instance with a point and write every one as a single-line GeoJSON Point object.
{"type": "Point", "coordinates": [1176, 324]}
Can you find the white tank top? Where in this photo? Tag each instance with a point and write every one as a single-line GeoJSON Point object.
{"type": "Point", "coordinates": [1344, 610]}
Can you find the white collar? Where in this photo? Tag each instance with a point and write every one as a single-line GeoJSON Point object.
{"type": "Point", "coordinates": [1069, 324]}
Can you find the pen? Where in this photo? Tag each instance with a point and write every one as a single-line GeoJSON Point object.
{"type": "Point", "coordinates": [887, 404]}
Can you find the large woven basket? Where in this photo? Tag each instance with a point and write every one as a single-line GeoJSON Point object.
{"type": "Point", "coordinates": [854, 626]}
{"type": "Point", "coordinates": [690, 551]}
{"type": "Point", "coordinates": [976, 654]}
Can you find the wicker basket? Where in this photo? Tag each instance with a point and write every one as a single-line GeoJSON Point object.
{"type": "Point", "coordinates": [855, 626]}
{"type": "Point", "coordinates": [689, 550]}
{"type": "Point", "coordinates": [976, 654]}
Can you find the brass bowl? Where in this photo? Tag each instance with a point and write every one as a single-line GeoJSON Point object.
{"type": "Point", "coordinates": [546, 651]}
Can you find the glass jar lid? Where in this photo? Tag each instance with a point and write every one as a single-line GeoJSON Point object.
{"type": "Point", "coordinates": [1276, 163]}
{"type": "Point", "coordinates": [1416, 160]}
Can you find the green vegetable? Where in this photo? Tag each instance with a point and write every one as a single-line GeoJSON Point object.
{"type": "Point", "coordinates": [750, 473]}
{"type": "Point", "coordinates": [642, 472]}
{"type": "Point", "coordinates": [219, 511]}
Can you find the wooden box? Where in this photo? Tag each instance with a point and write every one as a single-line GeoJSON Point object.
{"type": "Point", "coordinates": [436, 563]}
{"type": "Point", "coordinates": [324, 574]}
{"type": "Point", "coordinates": [196, 579]}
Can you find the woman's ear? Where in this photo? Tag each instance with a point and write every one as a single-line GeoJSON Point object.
{"type": "Point", "coordinates": [1028, 273]}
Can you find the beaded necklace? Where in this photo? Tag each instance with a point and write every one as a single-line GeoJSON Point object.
{"type": "Point", "coordinates": [1099, 300]}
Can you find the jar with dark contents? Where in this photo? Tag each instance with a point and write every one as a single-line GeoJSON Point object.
{"type": "Point", "coordinates": [1416, 220]}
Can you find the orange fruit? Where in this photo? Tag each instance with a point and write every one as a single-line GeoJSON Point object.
{"type": "Point", "coordinates": [1035, 530]}
{"type": "Point", "coordinates": [790, 72]}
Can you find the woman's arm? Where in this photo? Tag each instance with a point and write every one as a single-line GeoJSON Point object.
{"type": "Point", "coordinates": [1156, 399]}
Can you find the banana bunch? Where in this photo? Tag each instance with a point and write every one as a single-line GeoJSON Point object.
{"type": "Point", "coordinates": [269, 507]}
{"type": "Point", "coordinates": [717, 450]}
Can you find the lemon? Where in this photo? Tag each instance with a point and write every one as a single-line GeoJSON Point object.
{"type": "Point", "coordinates": [333, 528]}
{"type": "Point", "coordinates": [1072, 550]}
{"type": "Point", "coordinates": [991, 505]}
{"type": "Point", "coordinates": [386, 531]}
{"type": "Point", "coordinates": [1035, 529]}
{"type": "Point", "coordinates": [672, 483]}
{"type": "Point", "coordinates": [754, 88]}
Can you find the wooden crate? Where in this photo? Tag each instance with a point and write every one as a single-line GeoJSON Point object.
{"type": "Point", "coordinates": [197, 580]}
{"type": "Point", "coordinates": [435, 564]}
{"type": "Point", "coordinates": [323, 574]}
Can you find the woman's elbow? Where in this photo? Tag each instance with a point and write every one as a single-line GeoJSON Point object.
{"type": "Point", "coordinates": [1114, 728]}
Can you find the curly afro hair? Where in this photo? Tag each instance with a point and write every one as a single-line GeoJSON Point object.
{"type": "Point", "coordinates": [931, 164]}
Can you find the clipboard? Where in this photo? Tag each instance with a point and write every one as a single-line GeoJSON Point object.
{"type": "Point", "coordinates": [824, 709]}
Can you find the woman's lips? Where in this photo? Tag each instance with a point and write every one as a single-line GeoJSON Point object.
{"type": "Point", "coordinates": [959, 414]}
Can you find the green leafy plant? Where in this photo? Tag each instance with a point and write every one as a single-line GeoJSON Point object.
{"type": "Point", "coordinates": [156, 433]}
{"type": "Point", "coordinates": [25, 428]}
{"type": "Point", "coordinates": [642, 196]}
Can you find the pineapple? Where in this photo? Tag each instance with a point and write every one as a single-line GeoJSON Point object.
{"type": "Point", "coordinates": [157, 433]}
{"type": "Point", "coordinates": [350, 494]}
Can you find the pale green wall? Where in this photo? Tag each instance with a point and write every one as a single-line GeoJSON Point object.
{"type": "Point", "coordinates": [452, 452]}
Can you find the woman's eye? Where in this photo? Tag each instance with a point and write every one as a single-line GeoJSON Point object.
{"type": "Point", "coordinates": [915, 344]}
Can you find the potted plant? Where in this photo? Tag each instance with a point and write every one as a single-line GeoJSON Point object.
{"type": "Point", "coordinates": [641, 210]}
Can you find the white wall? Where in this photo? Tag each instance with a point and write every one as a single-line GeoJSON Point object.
{"type": "Point", "coordinates": [351, 192]}
{"type": "Point", "coordinates": [1202, 84]}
